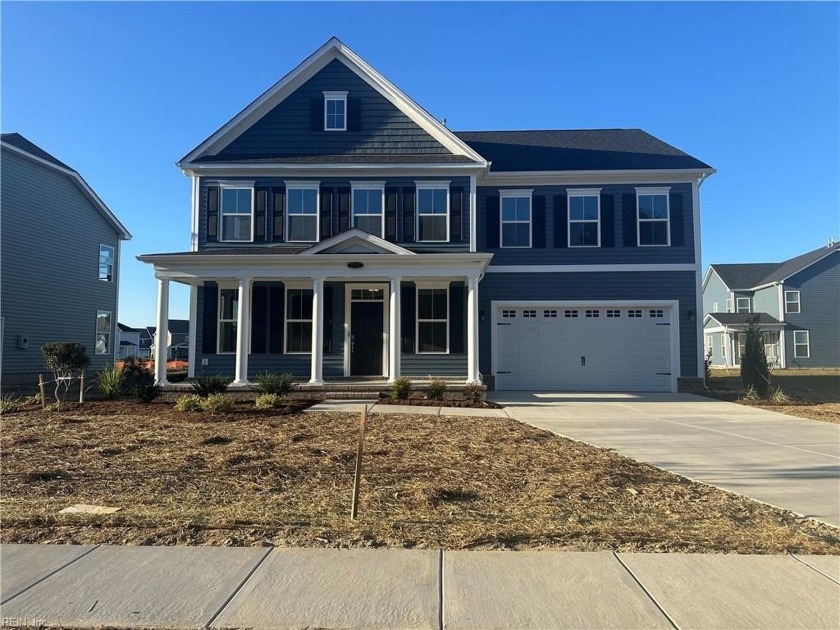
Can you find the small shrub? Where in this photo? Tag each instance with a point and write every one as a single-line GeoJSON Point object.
{"type": "Point", "coordinates": [139, 381]}
{"type": "Point", "coordinates": [67, 360]}
{"type": "Point", "coordinates": [9, 404]}
{"type": "Point", "coordinates": [750, 394]}
{"type": "Point", "coordinates": [189, 402]}
{"type": "Point", "coordinates": [755, 372]}
{"type": "Point", "coordinates": [111, 382]}
{"type": "Point", "coordinates": [401, 388]}
{"type": "Point", "coordinates": [436, 389]}
{"type": "Point", "coordinates": [34, 399]}
{"type": "Point", "coordinates": [778, 395]}
{"type": "Point", "coordinates": [217, 403]}
{"type": "Point", "coordinates": [176, 377]}
{"type": "Point", "coordinates": [473, 393]}
{"type": "Point", "coordinates": [269, 401]}
{"type": "Point", "coordinates": [209, 384]}
{"type": "Point", "coordinates": [279, 384]}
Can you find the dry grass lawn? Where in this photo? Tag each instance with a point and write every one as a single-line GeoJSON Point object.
{"type": "Point", "coordinates": [257, 478]}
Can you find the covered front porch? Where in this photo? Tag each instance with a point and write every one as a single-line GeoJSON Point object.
{"type": "Point", "coordinates": [725, 335]}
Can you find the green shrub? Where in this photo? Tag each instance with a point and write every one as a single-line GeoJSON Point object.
{"type": "Point", "coordinates": [755, 372]}
{"type": "Point", "coordinates": [139, 381]}
{"type": "Point", "coordinates": [473, 393]}
{"type": "Point", "coordinates": [111, 382]}
{"type": "Point", "coordinates": [280, 384]}
{"type": "Point", "coordinates": [209, 384]}
{"type": "Point", "coordinates": [9, 404]}
{"type": "Point", "coordinates": [401, 388]}
{"type": "Point", "coordinates": [269, 401]}
{"type": "Point", "coordinates": [217, 403]}
{"type": "Point", "coordinates": [176, 376]}
{"type": "Point", "coordinates": [189, 402]}
{"type": "Point", "coordinates": [436, 389]}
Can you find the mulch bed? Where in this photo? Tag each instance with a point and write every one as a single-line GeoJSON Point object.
{"type": "Point", "coordinates": [249, 478]}
{"type": "Point", "coordinates": [822, 411]}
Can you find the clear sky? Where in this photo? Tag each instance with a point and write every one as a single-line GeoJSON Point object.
{"type": "Point", "coordinates": [120, 91]}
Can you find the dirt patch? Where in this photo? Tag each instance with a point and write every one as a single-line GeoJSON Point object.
{"type": "Point", "coordinates": [249, 478]}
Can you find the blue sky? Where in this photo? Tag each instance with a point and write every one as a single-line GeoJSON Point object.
{"type": "Point", "coordinates": [120, 91]}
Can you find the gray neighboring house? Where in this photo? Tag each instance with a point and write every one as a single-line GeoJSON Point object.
{"type": "Point", "coordinates": [59, 254]}
{"type": "Point", "coordinates": [797, 302]}
{"type": "Point", "coordinates": [177, 342]}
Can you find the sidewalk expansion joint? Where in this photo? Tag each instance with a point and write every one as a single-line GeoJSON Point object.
{"type": "Point", "coordinates": [238, 588]}
{"type": "Point", "coordinates": [812, 567]}
{"type": "Point", "coordinates": [647, 592]}
{"type": "Point", "coordinates": [50, 574]}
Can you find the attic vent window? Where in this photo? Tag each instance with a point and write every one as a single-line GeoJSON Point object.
{"type": "Point", "coordinates": [335, 111]}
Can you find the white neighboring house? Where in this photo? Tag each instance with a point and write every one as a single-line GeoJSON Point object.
{"type": "Point", "coordinates": [177, 340]}
{"type": "Point", "coordinates": [128, 340]}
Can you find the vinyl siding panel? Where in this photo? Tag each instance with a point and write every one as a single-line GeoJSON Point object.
{"type": "Point", "coordinates": [717, 343]}
{"type": "Point", "coordinates": [767, 301]}
{"type": "Point", "coordinates": [715, 291]}
{"type": "Point", "coordinates": [49, 256]}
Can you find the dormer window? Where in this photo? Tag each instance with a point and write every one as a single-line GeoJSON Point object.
{"type": "Point", "coordinates": [335, 111]}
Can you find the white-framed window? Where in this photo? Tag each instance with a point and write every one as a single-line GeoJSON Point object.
{"type": "Point", "coordinates": [653, 217]}
{"type": "Point", "coordinates": [724, 346]}
{"type": "Point", "coordinates": [792, 302]}
{"type": "Point", "coordinates": [228, 314]}
{"type": "Point", "coordinates": [237, 210]}
{"type": "Point", "coordinates": [432, 320]}
{"type": "Point", "coordinates": [801, 344]}
{"type": "Point", "coordinates": [102, 344]}
{"type": "Point", "coordinates": [432, 212]}
{"type": "Point", "coordinates": [584, 217]}
{"type": "Point", "coordinates": [742, 305]}
{"type": "Point", "coordinates": [715, 308]}
{"type": "Point", "coordinates": [634, 313]}
{"type": "Point", "coordinates": [302, 206]}
{"type": "Point", "coordinates": [106, 263]}
{"type": "Point", "coordinates": [515, 217]}
{"type": "Point", "coordinates": [298, 338]}
{"type": "Point", "coordinates": [368, 207]}
{"type": "Point", "coordinates": [335, 111]}
{"type": "Point", "coordinates": [728, 305]}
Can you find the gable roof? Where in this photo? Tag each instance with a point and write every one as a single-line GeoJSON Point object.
{"type": "Point", "coordinates": [742, 319]}
{"type": "Point", "coordinates": [20, 145]}
{"type": "Point", "coordinates": [332, 49]}
{"type": "Point", "coordinates": [755, 275]}
{"type": "Point", "coordinates": [356, 241]}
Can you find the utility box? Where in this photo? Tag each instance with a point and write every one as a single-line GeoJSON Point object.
{"type": "Point", "coordinates": [23, 342]}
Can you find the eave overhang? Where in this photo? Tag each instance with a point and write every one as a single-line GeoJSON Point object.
{"type": "Point", "coordinates": [634, 176]}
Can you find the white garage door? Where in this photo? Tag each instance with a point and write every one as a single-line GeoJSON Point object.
{"type": "Point", "coordinates": [583, 348]}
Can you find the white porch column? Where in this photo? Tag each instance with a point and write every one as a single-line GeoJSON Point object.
{"type": "Point", "coordinates": [162, 327]}
{"type": "Point", "coordinates": [317, 331]}
{"type": "Point", "coordinates": [394, 332]}
{"type": "Point", "coordinates": [243, 331]}
{"type": "Point", "coordinates": [193, 331]}
{"type": "Point", "coordinates": [472, 330]}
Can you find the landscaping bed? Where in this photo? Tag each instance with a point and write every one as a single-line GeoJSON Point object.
{"type": "Point", "coordinates": [263, 478]}
{"type": "Point", "coordinates": [422, 401]}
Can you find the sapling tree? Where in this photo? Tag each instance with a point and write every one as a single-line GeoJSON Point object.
{"type": "Point", "coordinates": [755, 372]}
{"type": "Point", "coordinates": [67, 360]}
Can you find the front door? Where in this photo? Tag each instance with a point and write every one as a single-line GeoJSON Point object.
{"type": "Point", "coordinates": [366, 325]}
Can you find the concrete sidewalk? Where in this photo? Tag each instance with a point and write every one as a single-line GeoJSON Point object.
{"type": "Point", "coordinates": [218, 587]}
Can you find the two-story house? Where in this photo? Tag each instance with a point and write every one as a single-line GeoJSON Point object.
{"type": "Point", "coordinates": [59, 257]}
{"type": "Point", "coordinates": [797, 303]}
{"type": "Point", "coordinates": [339, 230]}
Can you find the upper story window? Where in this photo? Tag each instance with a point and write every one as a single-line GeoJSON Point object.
{"type": "Point", "coordinates": [792, 302]}
{"type": "Point", "coordinates": [106, 263]}
{"type": "Point", "coordinates": [432, 212]}
{"type": "Point", "coordinates": [228, 313]}
{"type": "Point", "coordinates": [302, 211]}
{"type": "Point", "coordinates": [742, 305]}
{"type": "Point", "coordinates": [584, 218]}
{"type": "Point", "coordinates": [237, 210]}
{"type": "Point", "coordinates": [516, 218]}
{"type": "Point", "coordinates": [652, 224]}
{"type": "Point", "coordinates": [103, 333]}
{"type": "Point", "coordinates": [368, 207]}
{"type": "Point", "coordinates": [335, 111]}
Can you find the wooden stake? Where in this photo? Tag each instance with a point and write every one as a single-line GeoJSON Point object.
{"type": "Point", "coordinates": [43, 391]}
{"type": "Point", "coordinates": [354, 509]}
{"type": "Point", "coordinates": [82, 388]}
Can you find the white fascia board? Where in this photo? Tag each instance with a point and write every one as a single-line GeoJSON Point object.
{"type": "Point", "coordinates": [125, 235]}
{"type": "Point", "coordinates": [355, 234]}
{"type": "Point", "coordinates": [324, 170]}
{"type": "Point", "coordinates": [590, 268]}
{"type": "Point", "coordinates": [594, 178]}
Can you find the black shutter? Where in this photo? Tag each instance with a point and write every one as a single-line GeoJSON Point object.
{"type": "Point", "coordinates": [326, 213]}
{"type": "Point", "coordinates": [628, 212]}
{"type": "Point", "coordinates": [538, 224]}
{"type": "Point", "coordinates": [259, 319]}
{"type": "Point", "coordinates": [409, 195]}
{"type": "Point", "coordinates": [316, 108]}
{"type": "Point", "coordinates": [276, 319]}
{"type": "Point", "coordinates": [492, 206]}
{"type": "Point", "coordinates": [279, 203]}
{"type": "Point", "coordinates": [343, 209]}
{"type": "Point", "coordinates": [456, 214]}
{"type": "Point", "coordinates": [408, 318]}
{"type": "Point", "coordinates": [607, 221]}
{"type": "Point", "coordinates": [212, 214]}
{"type": "Point", "coordinates": [260, 205]}
{"type": "Point", "coordinates": [328, 319]}
{"type": "Point", "coordinates": [211, 310]}
{"type": "Point", "coordinates": [391, 214]}
{"type": "Point", "coordinates": [561, 221]}
{"type": "Point", "coordinates": [354, 114]}
{"type": "Point", "coordinates": [456, 318]}
{"type": "Point", "coordinates": [675, 207]}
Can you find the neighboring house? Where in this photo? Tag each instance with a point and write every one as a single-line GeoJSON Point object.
{"type": "Point", "coordinates": [339, 230]}
{"type": "Point", "coordinates": [177, 341]}
{"type": "Point", "coordinates": [129, 340]}
{"type": "Point", "coordinates": [59, 255]}
{"type": "Point", "coordinates": [797, 302]}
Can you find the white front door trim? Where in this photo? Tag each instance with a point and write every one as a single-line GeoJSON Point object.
{"type": "Point", "coordinates": [348, 327]}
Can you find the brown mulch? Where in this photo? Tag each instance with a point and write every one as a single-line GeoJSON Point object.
{"type": "Point", "coordinates": [822, 411]}
{"type": "Point", "coordinates": [248, 478]}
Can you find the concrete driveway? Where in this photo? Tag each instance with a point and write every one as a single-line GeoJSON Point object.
{"type": "Point", "coordinates": [789, 462]}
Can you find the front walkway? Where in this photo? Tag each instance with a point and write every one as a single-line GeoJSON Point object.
{"type": "Point", "coordinates": [788, 462]}
{"type": "Point", "coordinates": [75, 586]}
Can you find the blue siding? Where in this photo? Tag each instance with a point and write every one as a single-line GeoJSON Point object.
{"type": "Point", "coordinates": [767, 301]}
{"type": "Point", "coordinates": [715, 292]}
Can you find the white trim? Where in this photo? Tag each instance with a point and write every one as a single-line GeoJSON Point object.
{"type": "Point", "coordinates": [473, 213]}
{"type": "Point", "coordinates": [380, 186]}
{"type": "Point", "coordinates": [113, 264]}
{"type": "Point", "coordinates": [194, 211]}
{"type": "Point", "coordinates": [111, 335]}
{"type": "Point", "coordinates": [517, 194]}
{"type": "Point", "coordinates": [352, 234]}
{"type": "Point", "coordinates": [193, 338]}
{"type": "Point", "coordinates": [798, 302]}
{"type": "Point", "coordinates": [429, 286]}
{"type": "Point", "coordinates": [316, 186]}
{"type": "Point", "coordinates": [807, 344]}
{"type": "Point", "coordinates": [595, 177]}
{"type": "Point", "coordinates": [235, 186]}
{"type": "Point", "coordinates": [589, 268]}
{"type": "Point", "coordinates": [338, 97]}
{"type": "Point", "coordinates": [291, 286]}
{"type": "Point", "coordinates": [738, 305]}
{"type": "Point", "coordinates": [224, 287]}
{"type": "Point", "coordinates": [324, 170]}
{"type": "Point", "coordinates": [427, 185]}
{"type": "Point", "coordinates": [654, 192]}
{"type": "Point", "coordinates": [582, 192]}
{"type": "Point", "coordinates": [348, 323]}
{"type": "Point", "coordinates": [698, 281]}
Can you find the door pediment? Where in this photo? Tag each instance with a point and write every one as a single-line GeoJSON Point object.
{"type": "Point", "coordinates": [355, 241]}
